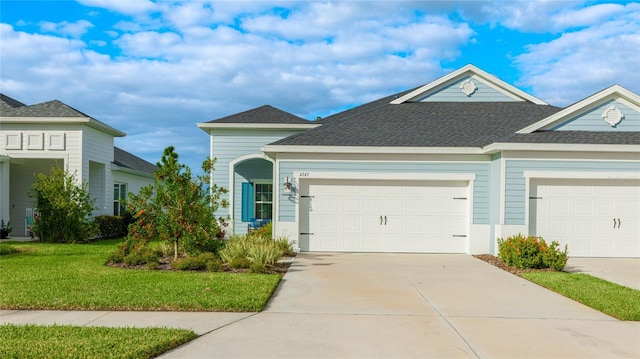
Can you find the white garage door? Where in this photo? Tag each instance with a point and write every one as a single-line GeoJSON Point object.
{"type": "Point", "coordinates": [595, 218]}
{"type": "Point", "coordinates": [384, 216]}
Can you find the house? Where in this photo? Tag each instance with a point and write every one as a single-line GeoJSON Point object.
{"type": "Point", "coordinates": [34, 138]}
{"type": "Point", "coordinates": [447, 167]}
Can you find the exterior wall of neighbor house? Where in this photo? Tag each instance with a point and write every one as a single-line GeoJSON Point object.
{"type": "Point", "coordinates": [229, 146]}
{"type": "Point", "coordinates": [134, 182]}
{"type": "Point", "coordinates": [516, 163]}
{"type": "Point", "coordinates": [452, 93]}
{"type": "Point", "coordinates": [96, 168]}
{"type": "Point", "coordinates": [591, 120]}
{"type": "Point", "coordinates": [33, 148]}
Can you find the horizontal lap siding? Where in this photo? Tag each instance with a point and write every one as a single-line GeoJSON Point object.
{"type": "Point", "coordinates": [592, 120]}
{"type": "Point", "coordinates": [97, 147]}
{"type": "Point", "coordinates": [229, 145]}
{"type": "Point", "coordinates": [452, 93]}
{"type": "Point", "coordinates": [480, 189]}
{"type": "Point", "coordinates": [515, 183]}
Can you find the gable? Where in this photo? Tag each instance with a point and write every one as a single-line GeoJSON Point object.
{"type": "Point", "coordinates": [614, 109]}
{"type": "Point", "coordinates": [470, 88]}
{"type": "Point", "coordinates": [468, 84]}
{"type": "Point", "coordinates": [594, 119]}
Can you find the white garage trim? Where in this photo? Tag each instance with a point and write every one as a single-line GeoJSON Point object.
{"type": "Point", "coordinates": [581, 175]}
{"type": "Point", "coordinates": [386, 176]}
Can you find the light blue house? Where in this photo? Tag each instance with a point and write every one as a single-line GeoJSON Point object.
{"type": "Point", "coordinates": [448, 167]}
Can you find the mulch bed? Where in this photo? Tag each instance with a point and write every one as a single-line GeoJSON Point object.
{"type": "Point", "coordinates": [493, 260]}
{"type": "Point", "coordinates": [165, 264]}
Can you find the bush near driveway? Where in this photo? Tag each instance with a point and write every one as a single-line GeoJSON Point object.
{"type": "Point", "coordinates": [531, 252]}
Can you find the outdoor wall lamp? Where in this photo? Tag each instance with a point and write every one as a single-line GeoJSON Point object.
{"type": "Point", "coordinates": [287, 185]}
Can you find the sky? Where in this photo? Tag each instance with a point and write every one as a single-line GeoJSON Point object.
{"type": "Point", "coordinates": [154, 69]}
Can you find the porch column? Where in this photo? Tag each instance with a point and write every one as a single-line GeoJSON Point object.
{"type": "Point", "coordinates": [4, 188]}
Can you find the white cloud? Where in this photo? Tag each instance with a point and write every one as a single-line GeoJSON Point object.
{"type": "Point", "coordinates": [73, 29]}
{"type": "Point", "coordinates": [582, 62]}
{"type": "Point", "coordinates": [127, 7]}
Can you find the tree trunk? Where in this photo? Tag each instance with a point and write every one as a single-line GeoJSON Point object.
{"type": "Point", "coordinates": [175, 250]}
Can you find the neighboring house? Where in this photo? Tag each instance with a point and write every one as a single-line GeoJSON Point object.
{"type": "Point", "coordinates": [448, 167]}
{"type": "Point", "coordinates": [34, 138]}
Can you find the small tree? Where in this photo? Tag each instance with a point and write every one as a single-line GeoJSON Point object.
{"type": "Point", "coordinates": [178, 208]}
{"type": "Point", "coordinates": [64, 207]}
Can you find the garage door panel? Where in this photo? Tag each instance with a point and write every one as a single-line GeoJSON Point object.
{"type": "Point", "coordinates": [587, 215]}
{"type": "Point", "coordinates": [387, 216]}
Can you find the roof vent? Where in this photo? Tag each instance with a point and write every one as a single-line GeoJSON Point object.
{"type": "Point", "coordinates": [612, 116]}
{"type": "Point", "coordinates": [468, 87]}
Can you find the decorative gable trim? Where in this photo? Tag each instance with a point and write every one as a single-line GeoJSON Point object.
{"type": "Point", "coordinates": [474, 72]}
{"type": "Point", "coordinates": [615, 92]}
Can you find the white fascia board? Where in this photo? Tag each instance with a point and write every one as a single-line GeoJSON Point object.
{"type": "Point", "coordinates": [65, 120]}
{"type": "Point", "coordinates": [115, 167]}
{"type": "Point", "coordinates": [371, 149]}
{"type": "Point", "coordinates": [258, 126]}
{"type": "Point", "coordinates": [629, 98]}
{"type": "Point", "coordinates": [497, 147]}
{"type": "Point", "coordinates": [4, 158]}
{"type": "Point", "coordinates": [471, 70]}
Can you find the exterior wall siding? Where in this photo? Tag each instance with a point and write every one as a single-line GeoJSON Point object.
{"type": "Point", "coordinates": [481, 189]}
{"type": "Point", "coordinates": [515, 182]}
{"type": "Point", "coordinates": [229, 145]}
{"type": "Point", "coordinates": [591, 120]}
{"type": "Point", "coordinates": [97, 150]}
{"type": "Point", "coordinates": [452, 93]}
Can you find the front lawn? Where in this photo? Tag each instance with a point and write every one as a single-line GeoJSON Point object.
{"type": "Point", "coordinates": [74, 277]}
{"type": "Point", "coordinates": [610, 298]}
{"type": "Point", "coordinates": [32, 341]}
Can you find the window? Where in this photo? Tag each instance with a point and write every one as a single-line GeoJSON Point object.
{"type": "Point", "coordinates": [119, 198]}
{"type": "Point", "coordinates": [257, 200]}
{"type": "Point", "coordinates": [263, 200]}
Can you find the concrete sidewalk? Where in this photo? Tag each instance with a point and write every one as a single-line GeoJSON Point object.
{"type": "Point", "coordinates": [415, 306]}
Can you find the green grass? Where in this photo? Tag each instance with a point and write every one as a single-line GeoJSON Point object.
{"type": "Point", "coordinates": [609, 298]}
{"type": "Point", "coordinates": [74, 277]}
{"type": "Point", "coordinates": [32, 341]}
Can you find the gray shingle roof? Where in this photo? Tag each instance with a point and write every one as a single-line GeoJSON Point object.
{"type": "Point", "coordinates": [264, 114]}
{"type": "Point", "coordinates": [125, 159]}
{"type": "Point", "coordinates": [423, 124]}
{"type": "Point", "coordinates": [577, 137]}
{"type": "Point", "coordinates": [8, 103]}
{"type": "Point", "coordinates": [53, 108]}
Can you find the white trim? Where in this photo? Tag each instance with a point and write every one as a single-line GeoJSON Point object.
{"type": "Point", "coordinates": [372, 149]}
{"type": "Point", "coordinates": [528, 174]}
{"type": "Point", "coordinates": [116, 168]}
{"type": "Point", "coordinates": [262, 126]}
{"type": "Point", "coordinates": [472, 70]}
{"type": "Point", "coordinates": [564, 147]}
{"type": "Point", "coordinates": [232, 174]}
{"type": "Point", "coordinates": [385, 176]}
{"type": "Point", "coordinates": [616, 92]}
{"type": "Point", "coordinates": [503, 188]}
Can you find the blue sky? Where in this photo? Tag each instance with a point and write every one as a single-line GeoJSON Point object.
{"type": "Point", "coordinates": [154, 69]}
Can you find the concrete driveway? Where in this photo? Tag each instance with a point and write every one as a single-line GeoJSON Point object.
{"type": "Point", "coordinates": [625, 271]}
{"type": "Point", "coordinates": [415, 306]}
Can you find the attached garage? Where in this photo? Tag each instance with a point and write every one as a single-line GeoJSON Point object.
{"type": "Point", "coordinates": [384, 215]}
{"type": "Point", "coordinates": [593, 217]}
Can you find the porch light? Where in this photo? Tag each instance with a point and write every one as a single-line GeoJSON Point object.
{"type": "Point", "coordinates": [287, 185]}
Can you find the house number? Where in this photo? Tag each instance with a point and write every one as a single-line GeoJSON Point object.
{"type": "Point", "coordinates": [304, 174]}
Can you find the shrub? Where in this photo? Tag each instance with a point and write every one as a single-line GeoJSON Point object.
{"type": "Point", "coordinates": [530, 252]}
{"type": "Point", "coordinates": [202, 261]}
{"type": "Point", "coordinates": [63, 207]}
{"type": "Point", "coordinates": [239, 263]}
{"type": "Point", "coordinates": [554, 258]}
{"type": "Point", "coordinates": [143, 255]}
{"type": "Point", "coordinates": [253, 251]}
{"type": "Point", "coordinates": [5, 229]}
{"type": "Point", "coordinates": [265, 231]}
{"type": "Point", "coordinates": [110, 226]}
{"type": "Point", "coordinates": [285, 246]}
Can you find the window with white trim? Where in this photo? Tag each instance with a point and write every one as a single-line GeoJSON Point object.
{"type": "Point", "coordinates": [257, 200]}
